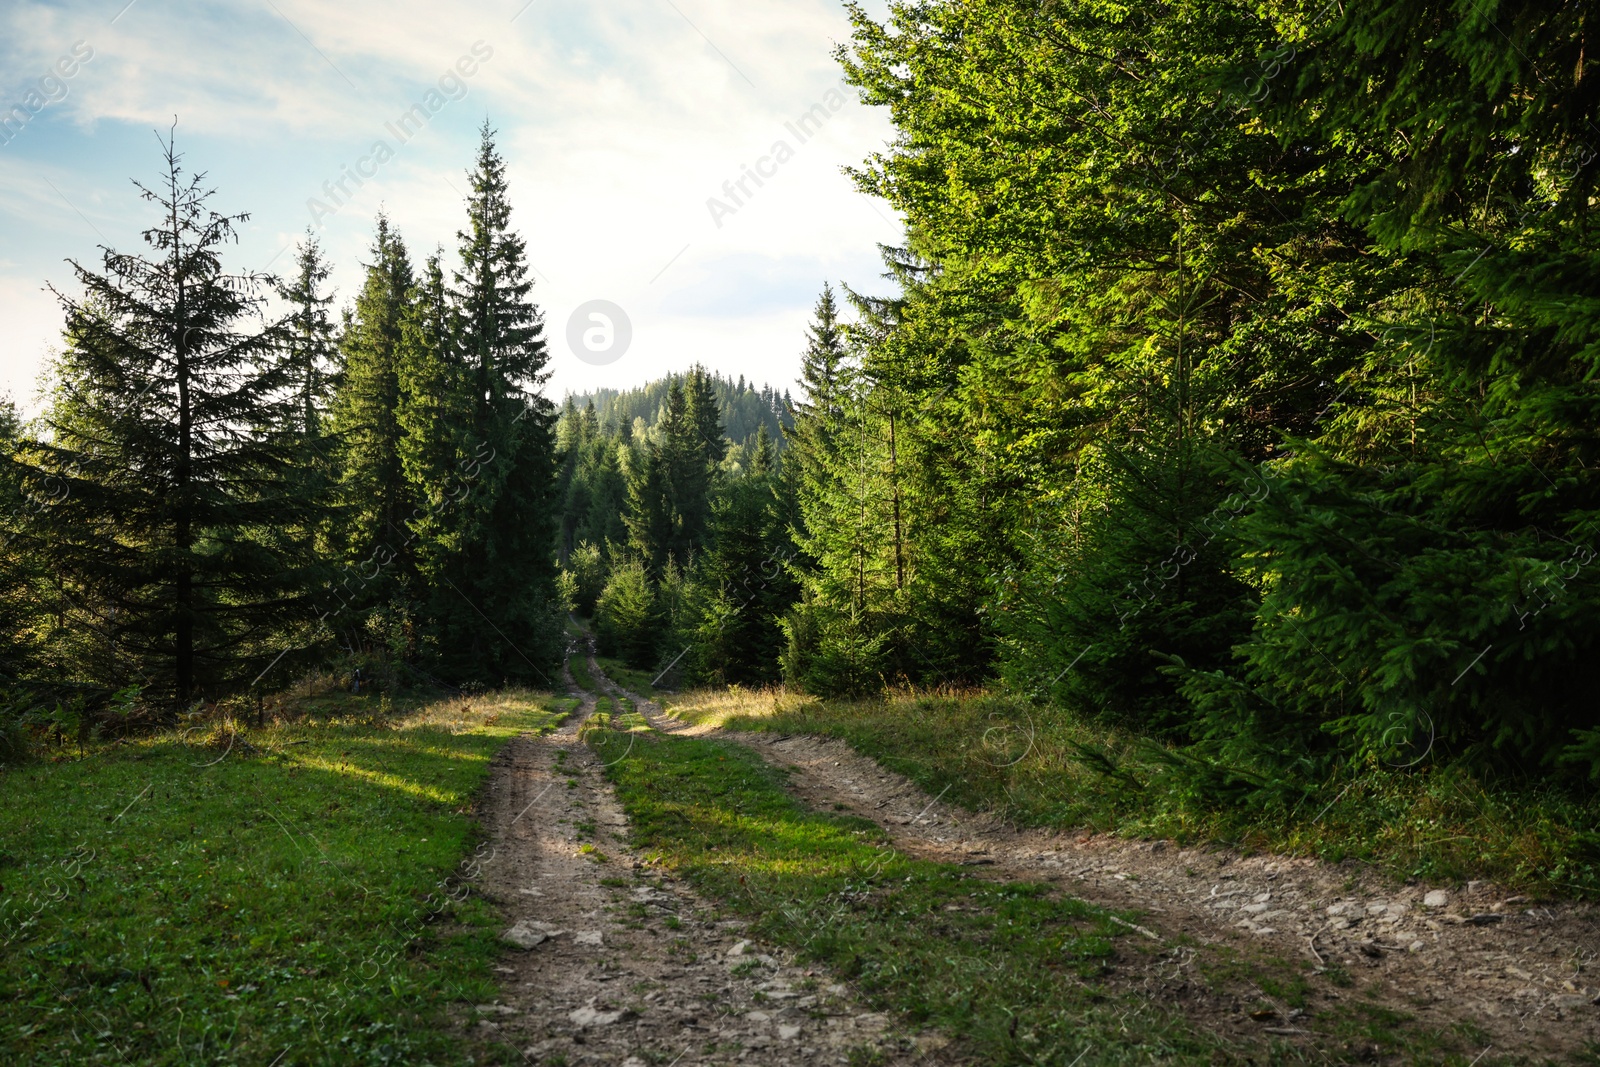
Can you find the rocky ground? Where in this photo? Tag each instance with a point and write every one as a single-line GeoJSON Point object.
{"type": "Point", "coordinates": [1521, 975]}
{"type": "Point", "coordinates": [618, 963]}
{"type": "Point", "coordinates": [612, 962]}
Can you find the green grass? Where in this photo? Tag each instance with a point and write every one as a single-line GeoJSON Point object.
{"type": "Point", "coordinates": [1015, 971]}
{"type": "Point", "coordinates": [579, 666]}
{"type": "Point", "coordinates": [302, 900]}
{"type": "Point", "coordinates": [636, 682]}
{"type": "Point", "coordinates": [994, 752]}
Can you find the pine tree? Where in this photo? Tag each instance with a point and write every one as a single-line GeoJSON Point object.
{"type": "Point", "coordinates": [433, 412]}
{"type": "Point", "coordinates": [26, 620]}
{"type": "Point", "coordinates": [310, 361]}
{"type": "Point", "coordinates": [822, 381]}
{"type": "Point", "coordinates": [170, 482]}
{"type": "Point", "coordinates": [763, 460]}
{"type": "Point", "coordinates": [497, 610]}
{"type": "Point", "coordinates": [743, 582]}
{"type": "Point", "coordinates": [671, 483]}
{"type": "Point", "coordinates": [842, 635]}
{"type": "Point", "coordinates": [378, 502]}
{"type": "Point", "coordinates": [652, 516]}
{"type": "Point", "coordinates": [696, 445]}
{"type": "Point", "coordinates": [312, 350]}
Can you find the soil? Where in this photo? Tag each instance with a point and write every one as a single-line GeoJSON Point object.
{"type": "Point", "coordinates": [1522, 976]}
{"type": "Point", "coordinates": [625, 965]}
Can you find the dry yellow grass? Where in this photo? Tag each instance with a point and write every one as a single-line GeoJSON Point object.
{"type": "Point", "coordinates": [714, 707]}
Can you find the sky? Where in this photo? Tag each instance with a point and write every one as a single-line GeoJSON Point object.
{"type": "Point", "coordinates": [620, 122]}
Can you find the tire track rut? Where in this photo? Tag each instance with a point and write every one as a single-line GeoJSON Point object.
{"type": "Point", "coordinates": [623, 964]}
{"type": "Point", "coordinates": [1522, 975]}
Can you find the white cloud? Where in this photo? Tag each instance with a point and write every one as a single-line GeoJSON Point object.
{"type": "Point", "coordinates": [618, 121]}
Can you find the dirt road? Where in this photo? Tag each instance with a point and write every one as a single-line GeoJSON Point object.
{"type": "Point", "coordinates": [612, 962]}
{"type": "Point", "coordinates": [1519, 976]}
{"type": "Point", "coordinates": [625, 965]}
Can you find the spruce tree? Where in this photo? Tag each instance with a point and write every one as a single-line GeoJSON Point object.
{"type": "Point", "coordinates": [696, 445]}
{"type": "Point", "coordinates": [374, 541]}
{"type": "Point", "coordinates": [822, 378]}
{"type": "Point", "coordinates": [497, 612]}
{"type": "Point", "coordinates": [155, 430]}
{"type": "Point", "coordinates": [744, 583]}
{"type": "Point", "coordinates": [26, 615]}
{"type": "Point", "coordinates": [310, 363]}
{"type": "Point", "coordinates": [841, 635]}
{"type": "Point", "coordinates": [652, 515]}
{"type": "Point", "coordinates": [311, 351]}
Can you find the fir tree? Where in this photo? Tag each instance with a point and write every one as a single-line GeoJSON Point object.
{"type": "Point", "coordinates": [696, 447]}
{"type": "Point", "coordinates": [652, 515]}
{"type": "Point", "coordinates": [822, 381]}
{"type": "Point", "coordinates": [377, 500]}
{"type": "Point", "coordinates": [744, 582]}
{"type": "Point", "coordinates": [312, 348]}
{"type": "Point", "coordinates": [497, 611]}
{"type": "Point", "coordinates": [170, 484]}
{"type": "Point", "coordinates": [310, 362]}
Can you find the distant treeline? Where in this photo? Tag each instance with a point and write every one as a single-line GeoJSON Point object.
{"type": "Point", "coordinates": [744, 408]}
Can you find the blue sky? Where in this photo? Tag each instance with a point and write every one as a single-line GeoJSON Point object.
{"type": "Point", "coordinates": [619, 121]}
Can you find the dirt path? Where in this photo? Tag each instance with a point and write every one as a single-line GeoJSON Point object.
{"type": "Point", "coordinates": [1518, 975]}
{"type": "Point", "coordinates": [624, 965]}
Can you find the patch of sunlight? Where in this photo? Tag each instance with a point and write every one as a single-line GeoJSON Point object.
{"type": "Point", "coordinates": [714, 707]}
{"type": "Point", "coordinates": [382, 778]}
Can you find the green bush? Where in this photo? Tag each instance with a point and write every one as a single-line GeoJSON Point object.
{"type": "Point", "coordinates": [626, 618]}
{"type": "Point", "coordinates": [586, 572]}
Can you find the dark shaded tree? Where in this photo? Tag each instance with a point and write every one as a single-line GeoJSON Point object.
{"type": "Point", "coordinates": [168, 486]}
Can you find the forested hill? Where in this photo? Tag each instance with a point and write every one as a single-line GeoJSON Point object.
{"type": "Point", "coordinates": [743, 407]}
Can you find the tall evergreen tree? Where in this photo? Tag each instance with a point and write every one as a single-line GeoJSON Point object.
{"type": "Point", "coordinates": [170, 483]}
{"type": "Point", "coordinates": [696, 447]}
{"type": "Point", "coordinates": [377, 499]}
{"type": "Point", "coordinates": [310, 362]}
{"type": "Point", "coordinates": [26, 615]}
{"type": "Point", "coordinates": [311, 351]}
{"type": "Point", "coordinates": [497, 609]}
{"type": "Point", "coordinates": [744, 581]}
{"type": "Point", "coordinates": [652, 519]}
{"type": "Point", "coordinates": [841, 636]}
{"type": "Point", "coordinates": [675, 470]}
{"type": "Point", "coordinates": [822, 380]}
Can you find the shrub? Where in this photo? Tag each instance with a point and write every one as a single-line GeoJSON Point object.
{"type": "Point", "coordinates": [626, 617]}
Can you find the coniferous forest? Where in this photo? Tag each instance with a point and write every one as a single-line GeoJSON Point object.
{"type": "Point", "coordinates": [1154, 617]}
{"type": "Point", "coordinates": [1233, 384]}
{"type": "Point", "coordinates": [218, 497]}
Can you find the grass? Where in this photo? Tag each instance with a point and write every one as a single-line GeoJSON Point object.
{"type": "Point", "coordinates": [579, 666]}
{"type": "Point", "coordinates": [1016, 972]}
{"type": "Point", "coordinates": [297, 894]}
{"type": "Point", "coordinates": [635, 681]}
{"type": "Point", "coordinates": [994, 752]}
